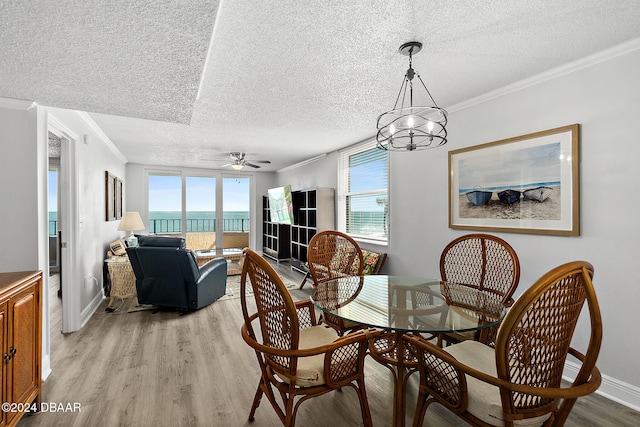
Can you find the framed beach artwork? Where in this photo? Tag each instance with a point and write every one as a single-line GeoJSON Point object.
{"type": "Point", "coordinates": [526, 184]}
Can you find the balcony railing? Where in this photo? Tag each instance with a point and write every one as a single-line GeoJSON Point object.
{"type": "Point", "coordinates": [169, 226]}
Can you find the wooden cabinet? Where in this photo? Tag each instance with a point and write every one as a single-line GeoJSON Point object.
{"type": "Point", "coordinates": [21, 338]}
{"type": "Point", "coordinates": [313, 211]}
{"type": "Point", "coordinates": [276, 238]}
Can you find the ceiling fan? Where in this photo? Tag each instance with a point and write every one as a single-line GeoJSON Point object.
{"type": "Point", "coordinates": [238, 161]}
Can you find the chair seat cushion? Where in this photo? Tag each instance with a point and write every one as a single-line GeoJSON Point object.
{"type": "Point", "coordinates": [484, 399]}
{"type": "Point", "coordinates": [311, 369]}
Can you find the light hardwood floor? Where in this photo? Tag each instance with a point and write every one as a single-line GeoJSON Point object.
{"type": "Point", "coordinates": [164, 369]}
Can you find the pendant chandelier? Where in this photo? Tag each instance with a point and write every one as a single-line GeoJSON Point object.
{"type": "Point", "coordinates": [408, 127]}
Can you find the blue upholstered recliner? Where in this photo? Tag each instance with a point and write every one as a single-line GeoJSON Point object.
{"type": "Point", "coordinates": [167, 274]}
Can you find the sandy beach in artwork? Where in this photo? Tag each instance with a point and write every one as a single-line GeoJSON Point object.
{"type": "Point", "coordinates": [524, 209]}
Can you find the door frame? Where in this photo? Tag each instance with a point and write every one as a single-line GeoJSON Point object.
{"type": "Point", "coordinates": [69, 226]}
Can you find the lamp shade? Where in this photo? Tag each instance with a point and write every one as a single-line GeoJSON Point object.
{"type": "Point", "coordinates": [131, 221]}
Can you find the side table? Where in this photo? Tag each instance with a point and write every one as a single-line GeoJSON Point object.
{"type": "Point", "coordinates": [123, 281]}
{"type": "Point", "coordinates": [232, 255]}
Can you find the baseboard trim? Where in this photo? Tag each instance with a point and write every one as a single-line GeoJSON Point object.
{"type": "Point", "coordinates": [46, 368]}
{"type": "Point", "coordinates": [90, 309]}
{"type": "Point", "coordinates": [611, 388]}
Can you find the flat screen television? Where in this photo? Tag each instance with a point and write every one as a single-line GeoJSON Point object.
{"type": "Point", "coordinates": [280, 205]}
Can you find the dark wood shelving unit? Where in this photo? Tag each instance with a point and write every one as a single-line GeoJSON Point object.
{"type": "Point", "coordinates": [313, 211]}
{"type": "Point", "coordinates": [276, 238]}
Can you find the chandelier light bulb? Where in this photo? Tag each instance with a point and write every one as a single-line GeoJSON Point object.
{"type": "Point", "coordinates": [430, 126]}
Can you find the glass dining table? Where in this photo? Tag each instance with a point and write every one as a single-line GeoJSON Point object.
{"type": "Point", "coordinates": [399, 305]}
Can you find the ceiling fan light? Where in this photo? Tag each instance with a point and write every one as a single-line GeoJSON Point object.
{"type": "Point", "coordinates": [237, 166]}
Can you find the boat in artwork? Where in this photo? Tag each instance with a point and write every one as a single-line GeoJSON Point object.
{"type": "Point", "coordinates": [539, 194]}
{"type": "Point", "coordinates": [479, 197]}
{"type": "Point", "coordinates": [509, 196]}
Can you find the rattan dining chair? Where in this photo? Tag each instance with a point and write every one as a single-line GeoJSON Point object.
{"type": "Point", "coordinates": [519, 381]}
{"type": "Point", "coordinates": [299, 359]}
{"type": "Point", "coordinates": [331, 255]}
{"type": "Point", "coordinates": [484, 262]}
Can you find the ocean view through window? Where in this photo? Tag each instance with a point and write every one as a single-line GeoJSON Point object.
{"type": "Point", "coordinates": [199, 209]}
{"type": "Point", "coordinates": [170, 222]}
{"type": "Point", "coordinates": [363, 200]}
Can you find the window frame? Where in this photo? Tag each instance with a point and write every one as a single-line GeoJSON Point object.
{"type": "Point", "coordinates": [219, 176]}
{"type": "Point", "coordinates": [343, 193]}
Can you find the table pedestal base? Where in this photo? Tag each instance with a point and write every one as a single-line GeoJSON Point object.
{"type": "Point", "coordinates": [385, 350]}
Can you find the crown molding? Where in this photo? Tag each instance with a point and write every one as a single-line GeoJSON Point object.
{"type": "Point", "coordinates": [103, 136]}
{"type": "Point", "coordinates": [59, 128]}
{"type": "Point", "coordinates": [302, 163]}
{"type": "Point", "coordinates": [587, 61]}
{"type": "Point", "coordinates": [17, 104]}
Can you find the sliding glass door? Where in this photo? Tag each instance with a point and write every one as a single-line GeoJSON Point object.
{"type": "Point", "coordinates": [236, 202]}
{"type": "Point", "coordinates": [165, 204]}
{"type": "Point", "coordinates": [201, 212]}
{"type": "Point", "coordinates": [211, 212]}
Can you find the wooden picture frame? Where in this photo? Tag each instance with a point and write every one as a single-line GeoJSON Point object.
{"type": "Point", "coordinates": [525, 184]}
{"type": "Point", "coordinates": [118, 198]}
{"type": "Point", "coordinates": [110, 199]}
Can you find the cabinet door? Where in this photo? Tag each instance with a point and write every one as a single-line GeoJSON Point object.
{"type": "Point", "coordinates": [3, 346]}
{"type": "Point", "coordinates": [23, 336]}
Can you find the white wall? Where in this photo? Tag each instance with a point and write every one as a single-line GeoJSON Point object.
{"type": "Point", "coordinates": [94, 154]}
{"type": "Point", "coordinates": [605, 100]}
{"type": "Point", "coordinates": [19, 192]}
{"type": "Point", "coordinates": [23, 198]}
{"type": "Point", "coordinates": [320, 173]}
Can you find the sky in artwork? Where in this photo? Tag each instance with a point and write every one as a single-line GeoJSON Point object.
{"type": "Point", "coordinates": [500, 168]}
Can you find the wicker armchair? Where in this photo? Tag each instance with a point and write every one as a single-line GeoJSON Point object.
{"type": "Point", "coordinates": [480, 261]}
{"type": "Point", "coordinates": [297, 357]}
{"type": "Point", "coordinates": [484, 262]}
{"type": "Point", "coordinates": [331, 255]}
{"type": "Point", "coordinates": [519, 381]}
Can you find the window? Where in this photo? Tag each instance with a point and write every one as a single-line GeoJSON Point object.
{"type": "Point", "coordinates": [203, 209]}
{"type": "Point", "coordinates": [165, 203]}
{"type": "Point", "coordinates": [363, 196]}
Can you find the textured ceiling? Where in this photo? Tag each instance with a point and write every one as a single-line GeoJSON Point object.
{"type": "Point", "coordinates": [129, 58]}
{"type": "Point", "coordinates": [285, 80]}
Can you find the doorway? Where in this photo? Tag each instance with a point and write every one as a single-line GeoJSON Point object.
{"type": "Point", "coordinates": [61, 158]}
{"type": "Point", "coordinates": [53, 203]}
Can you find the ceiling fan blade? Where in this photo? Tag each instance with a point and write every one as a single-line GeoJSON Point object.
{"type": "Point", "coordinates": [261, 161]}
{"type": "Point", "coordinates": [251, 165]}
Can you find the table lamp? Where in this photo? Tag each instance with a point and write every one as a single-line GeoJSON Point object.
{"type": "Point", "coordinates": [131, 222]}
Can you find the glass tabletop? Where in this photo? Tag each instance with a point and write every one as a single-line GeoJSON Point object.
{"type": "Point", "coordinates": [411, 304]}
